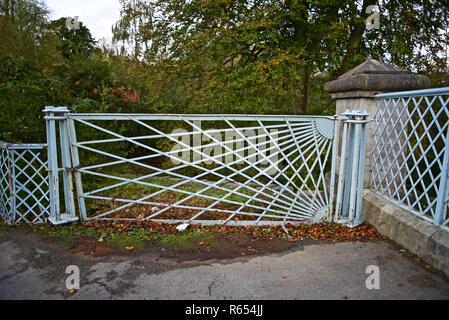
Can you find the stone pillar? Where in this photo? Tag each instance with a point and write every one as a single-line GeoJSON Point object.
{"type": "Point", "coordinates": [356, 90]}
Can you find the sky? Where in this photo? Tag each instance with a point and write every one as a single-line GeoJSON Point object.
{"type": "Point", "coordinates": [97, 15]}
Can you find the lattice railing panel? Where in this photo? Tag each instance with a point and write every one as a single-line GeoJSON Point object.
{"type": "Point", "coordinates": [410, 137]}
{"type": "Point", "coordinates": [216, 168]}
{"type": "Point", "coordinates": [5, 183]}
{"type": "Point", "coordinates": [24, 183]}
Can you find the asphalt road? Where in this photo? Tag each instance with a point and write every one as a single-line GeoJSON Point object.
{"type": "Point", "coordinates": [31, 268]}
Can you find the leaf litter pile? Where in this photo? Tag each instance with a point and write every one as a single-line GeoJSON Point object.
{"type": "Point", "coordinates": [100, 238]}
{"type": "Point", "coordinates": [207, 242]}
{"type": "Point", "coordinates": [331, 232]}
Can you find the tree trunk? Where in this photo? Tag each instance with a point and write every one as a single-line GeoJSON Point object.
{"type": "Point", "coordinates": [301, 99]}
{"type": "Point", "coordinates": [299, 18]}
{"type": "Point", "coordinates": [355, 38]}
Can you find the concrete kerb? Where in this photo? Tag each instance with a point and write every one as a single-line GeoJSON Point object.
{"type": "Point", "coordinates": [429, 242]}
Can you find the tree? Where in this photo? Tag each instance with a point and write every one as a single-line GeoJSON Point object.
{"type": "Point", "coordinates": [136, 15]}
{"type": "Point", "coordinates": [23, 32]}
{"type": "Point", "coordinates": [30, 16]}
{"type": "Point", "coordinates": [238, 54]}
{"type": "Point", "coordinates": [413, 35]}
{"type": "Point", "coordinates": [53, 65]}
{"type": "Point", "coordinates": [74, 41]}
{"type": "Point", "coordinates": [24, 91]}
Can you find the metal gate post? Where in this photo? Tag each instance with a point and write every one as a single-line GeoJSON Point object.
{"type": "Point", "coordinates": [76, 165]}
{"type": "Point", "coordinates": [52, 151]}
{"type": "Point", "coordinates": [12, 185]}
{"type": "Point", "coordinates": [66, 160]}
{"type": "Point", "coordinates": [352, 169]}
{"type": "Point", "coordinates": [443, 189]}
{"type": "Point", "coordinates": [337, 125]}
{"type": "Point", "coordinates": [54, 116]}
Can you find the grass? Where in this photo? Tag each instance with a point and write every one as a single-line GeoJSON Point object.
{"type": "Point", "coordinates": [133, 191]}
{"type": "Point", "coordinates": [137, 191]}
{"type": "Point", "coordinates": [159, 184]}
{"type": "Point", "coordinates": [138, 234]}
{"type": "Point", "coordinates": [140, 237]}
{"type": "Point", "coordinates": [120, 235]}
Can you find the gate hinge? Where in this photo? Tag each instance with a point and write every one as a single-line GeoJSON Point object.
{"type": "Point", "coordinates": [72, 169]}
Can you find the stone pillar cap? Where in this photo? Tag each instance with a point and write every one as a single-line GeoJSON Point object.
{"type": "Point", "coordinates": [372, 77]}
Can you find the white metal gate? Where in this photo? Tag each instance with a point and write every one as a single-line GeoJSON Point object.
{"type": "Point", "coordinates": [208, 169]}
{"type": "Point", "coordinates": [204, 168]}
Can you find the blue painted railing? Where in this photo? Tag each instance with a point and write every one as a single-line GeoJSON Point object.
{"type": "Point", "coordinates": [411, 151]}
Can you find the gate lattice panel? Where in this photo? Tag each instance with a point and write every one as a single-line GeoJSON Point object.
{"type": "Point", "coordinates": [24, 191]}
{"type": "Point", "coordinates": [220, 169]}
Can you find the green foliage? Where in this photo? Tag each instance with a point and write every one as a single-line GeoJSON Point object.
{"type": "Point", "coordinates": [189, 239]}
{"type": "Point", "coordinates": [24, 91]}
{"type": "Point", "coordinates": [225, 56]}
{"type": "Point", "coordinates": [132, 236]}
{"type": "Point", "coordinates": [272, 56]}
{"type": "Point", "coordinates": [75, 41]}
{"type": "Point", "coordinates": [43, 63]}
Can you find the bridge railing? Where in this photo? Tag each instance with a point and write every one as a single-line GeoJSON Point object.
{"type": "Point", "coordinates": [411, 152]}
{"type": "Point", "coordinates": [280, 168]}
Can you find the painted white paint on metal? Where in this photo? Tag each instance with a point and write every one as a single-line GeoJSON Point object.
{"type": "Point", "coordinates": [280, 173]}
{"type": "Point", "coordinates": [411, 152]}
{"type": "Point", "coordinates": [24, 192]}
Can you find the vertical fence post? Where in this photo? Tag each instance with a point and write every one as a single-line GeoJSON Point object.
{"type": "Point", "coordinates": [341, 171]}
{"type": "Point", "coordinates": [66, 160]}
{"type": "Point", "coordinates": [58, 116]}
{"type": "Point", "coordinates": [76, 165]}
{"type": "Point", "coordinates": [12, 185]}
{"type": "Point", "coordinates": [352, 165]}
{"type": "Point", "coordinates": [347, 169]}
{"type": "Point", "coordinates": [443, 189]}
{"type": "Point", "coordinates": [52, 151]}
{"type": "Point", "coordinates": [361, 161]}
{"type": "Point", "coordinates": [4, 185]}
{"type": "Point", "coordinates": [337, 123]}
